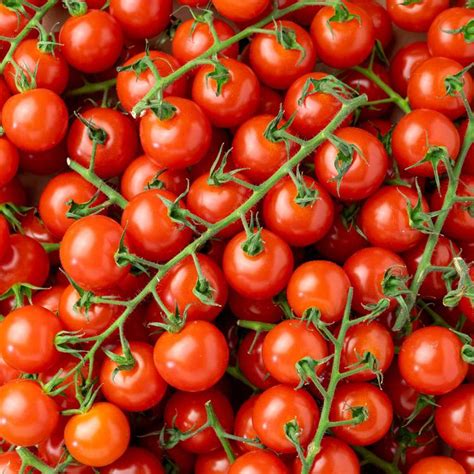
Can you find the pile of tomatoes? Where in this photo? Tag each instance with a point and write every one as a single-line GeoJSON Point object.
{"type": "Point", "coordinates": [213, 260]}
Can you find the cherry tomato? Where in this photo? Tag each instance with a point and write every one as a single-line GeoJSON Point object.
{"type": "Point", "coordinates": [385, 219]}
{"type": "Point", "coordinates": [249, 309]}
{"type": "Point", "coordinates": [258, 462]}
{"type": "Point", "coordinates": [278, 64]}
{"type": "Point", "coordinates": [262, 275]}
{"type": "Point", "coordinates": [381, 21]}
{"type": "Point", "coordinates": [430, 360]}
{"type": "Point", "coordinates": [278, 406]}
{"type": "Point", "coordinates": [415, 16]}
{"type": "Point", "coordinates": [92, 42]}
{"type": "Point", "coordinates": [87, 253]}
{"type": "Point", "coordinates": [321, 285]}
{"type": "Point", "coordinates": [135, 461]}
{"type": "Point", "coordinates": [243, 426]}
{"type": "Point", "coordinates": [28, 416]}
{"type": "Point", "coordinates": [241, 12]}
{"type": "Point", "coordinates": [437, 465]}
{"type": "Point", "coordinates": [133, 84]}
{"type": "Point", "coordinates": [345, 42]}
{"type": "Point", "coordinates": [270, 101]}
{"type": "Point", "coordinates": [45, 163]}
{"type": "Point", "coordinates": [10, 463]}
{"type": "Point", "coordinates": [187, 412]}
{"type": "Point", "coordinates": [378, 411]}
{"type": "Point", "coordinates": [189, 127]}
{"type": "Point", "coordinates": [35, 120]}
{"type": "Point", "coordinates": [215, 462]}
{"type": "Point", "coordinates": [364, 170]}
{"type": "Point", "coordinates": [193, 359]}
{"type": "Point", "coordinates": [98, 437]}
{"type": "Point", "coordinates": [466, 459]}
{"type": "Point", "coordinates": [13, 192]}
{"type": "Point", "coordinates": [9, 161]}
{"type": "Point", "coordinates": [143, 18]}
{"type": "Point", "coordinates": [7, 373]}
{"type": "Point", "coordinates": [229, 101]}
{"type": "Point", "coordinates": [427, 87]}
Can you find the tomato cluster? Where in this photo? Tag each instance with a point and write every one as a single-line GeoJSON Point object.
{"type": "Point", "coordinates": [222, 248]}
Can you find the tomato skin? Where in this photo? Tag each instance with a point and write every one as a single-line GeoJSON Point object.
{"type": "Point", "coordinates": [426, 87]}
{"type": "Point", "coordinates": [404, 63]}
{"type": "Point", "coordinates": [135, 461]}
{"type": "Point", "coordinates": [9, 161]}
{"type": "Point", "coordinates": [279, 405]}
{"type": "Point", "coordinates": [298, 225]}
{"type": "Point", "coordinates": [13, 192]}
{"type": "Point", "coordinates": [365, 174]}
{"type": "Point", "coordinates": [466, 459]}
{"type": "Point", "coordinates": [186, 411]}
{"type": "Point", "coordinates": [259, 157]}
{"type": "Point", "coordinates": [366, 270]}
{"type": "Point", "coordinates": [91, 243]}
{"type": "Point", "coordinates": [51, 69]}
{"type": "Point", "coordinates": [236, 102]}
{"type": "Point", "coordinates": [276, 66]}
{"type": "Point", "coordinates": [44, 163]}
{"type": "Point", "coordinates": [243, 12]}
{"type": "Point", "coordinates": [28, 416]}
{"type": "Point", "coordinates": [377, 404]}
{"type": "Point", "coordinates": [189, 127]}
{"type": "Point", "coordinates": [454, 418]}
{"type": "Point", "coordinates": [10, 463]}
{"type": "Point", "coordinates": [319, 284]}
{"type": "Point", "coordinates": [152, 234]}
{"type": "Point", "coordinates": [335, 456]}
{"type": "Point", "coordinates": [260, 276]}
{"type": "Point", "coordinates": [385, 221]}
{"type": "Point", "coordinates": [459, 224]}
{"type": "Point", "coordinates": [249, 309]}
{"type": "Point", "coordinates": [7, 373]}
{"type": "Point", "coordinates": [11, 23]}
{"type": "Point", "coordinates": [437, 465]}
{"type": "Point", "coordinates": [98, 437]}
{"type": "Point", "coordinates": [258, 462]}
{"type": "Point", "coordinates": [361, 339]}
{"type": "Point", "coordinates": [381, 21]}
{"type": "Point", "coordinates": [215, 202]}
{"type": "Point", "coordinates": [191, 39]}
{"type": "Point", "coordinates": [200, 361]}
{"type": "Point", "coordinates": [35, 120]}
{"type": "Point", "coordinates": [430, 360]}
{"type": "Point", "coordinates": [138, 389]}
{"type": "Point", "coordinates": [27, 339]}
{"type": "Point", "coordinates": [92, 42]}
{"type": "Point", "coordinates": [243, 426]}
{"type": "Point", "coordinates": [140, 19]}
{"type": "Point", "coordinates": [53, 200]}
{"type": "Point", "coordinates": [215, 462]}
{"type": "Point", "coordinates": [415, 16]}
{"type": "Point", "coordinates": [131, 88]}
{"type": "Point", "coordinates": [343, 44]}
{"type": "Point", "coordinates": [433, 287]}
{"type": "Point", "coordinates": [413, 136]}
{"type": "Point", "coordinates": [4, 237]}
{"type": "Point", "coordinates": [442, 42]}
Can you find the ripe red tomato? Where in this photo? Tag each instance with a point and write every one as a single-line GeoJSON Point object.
{"type": "Point", "coordinates": [87, 253]}
{"type": "Point", "coordinates": [193, 359]}
{"type": "Point", "coordinates": [28, 415]}
{"type": "Point", "coordinates": [299, 224]}
{"type": "Point", "coordinates": [381, 21]}
{"type": "Point", "coordinates": [35, 120]}
{"type": "Point", "coordinates": [189, 127]}
{"type": "Point", "coordinates": [364, 171]}
{"type": "Point", "coordinates": [243, 426]}
{"type": "Point", "coordinates": [262, 275]}
{"type": "Point", "coordinates": [466, 459]}
{"type": "Point", "coordinates": [143, 18]}
{"type": "Point", "coordinates": [192, 39]}
{"type": "Point", "coordinates": [343, 43]}
{"type": "Point", "coordinates": [133, 85]}
{"type": "Point", "coordinates": [427, 87]}
{"type": "Point", "coordinates": [379, 413]}
{"type": "Point", "coordinates": [9, 161]}
{"type": "Point", "coordinates": [366, 338]}
{"type": "Point", "coordinates": [430, 360]}
{"type": "Point", "coordinates": [278, 65]}
{"type": "Point", "coordinates": [249, 309]}
{"type": "Point", "coordinates": [446, 35]}
{"type": "Point", "coordinates": [415, 16]}
{"type": "Point", "coordinates": [454, 418]}
{"type": "Point", "coordinates": [187, 412]}
{"type": "Point", "coordinates": [278, 406]}
{"type": "Point", "coordinates": [7, 373]}
{"type": "Point", "coordinates": [258, 462]}
{"type": "Point", "coordinates": [335, 456]}
{"type": "Point", "coordinates": [135, 460]}
{"type": "Point", "coordinates": [215, 462]}
{"type": "Point", "coordinates": [241, 12]}
{"type": "Point", "coordinates": [10, 463]}
{"type": "Point", "coordinates": [51, 70]}
{"type": "Point", "coordinates": [437, 465]}
{"type": "Point", "coordinates": [151, 233]}
{"type": "Point", "coordinates": [366, 270]}
{"type": "Point", "coordinates": [321, 285]}
{"type": "Point", "coordinates": [227, 102]}
{"type": "Point", "coordinates": [405, 61]}
{"type": "Point", "coordinates": [44, 163]}
{"type": "Point", "coordinates": [92, 42]}
{"type": "Point", "coordinates": [98, 437]}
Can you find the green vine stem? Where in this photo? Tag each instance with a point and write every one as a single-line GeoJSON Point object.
{"type": "Point", "coordinates": [393, 96]}
{"type": "Point", "coordinates": [32, 23]}
{"type": "Point", "coordinates": [28, 459]}
{"type": "Point", "coordinates": [92, 87]}
{"type": "Point", "coordinates": [373, 459]}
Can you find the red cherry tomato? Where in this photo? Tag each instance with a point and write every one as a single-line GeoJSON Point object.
{"type": "Point", "coordinates": [437, 465]}
{"type": "Point", "coordinates": [135, 460]}
{"type": "Point", "coordinates": [9, 161]}
{"type": "Point", "coordinates": [415, 16]}
{"type": "Point", "coordinates": [258, 462]}
{"type": "Point", "coordinates": [241, 12]}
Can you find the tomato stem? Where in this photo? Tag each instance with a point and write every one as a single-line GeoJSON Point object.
{"type": "Point", "coordinates": [373, 459]}
{"type": "Point", "coordinates": [91, 88]}
{"type": "Point", "coordinates": [28, 459]}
